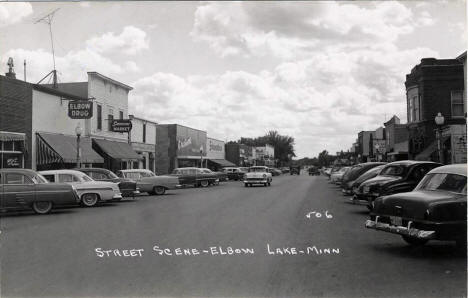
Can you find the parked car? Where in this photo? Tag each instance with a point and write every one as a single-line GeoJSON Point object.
{"type": "Point", "coordinates": [258, 175]}
{"type": "Point", "coordinates": [356, 190]}
{"type": "Point", "coordinates": [128, 187]}
{"type": "Point", "coordinates": [90, 192]}
{"type": "Point", "coordinates": [337, 176]}
{"type": "Point", "coordinates": [27, 189]}
{"type": "Point", "coordinates": [233, 173]}
{"type": "Point", "coordinates": [148, 182]}
{"type": "Point", "coordinates": [284, 170]}
{"type": "Point", "coordinates": [313, 171]}
{"type": "Point", "coordinates": [434, 210]}
{"type": "Point", "coordinates": [294, 170]}
{"type": "Point", "coordinates": [354, 173]}
{"type": "Point", "coordinates": [221, 175]}
{"type": "Point", "coordinates": [275, 172]}
{"type": "Point", "coordinates": [395, 177]}
{"type": "Point", "coordinates": [195, 176]}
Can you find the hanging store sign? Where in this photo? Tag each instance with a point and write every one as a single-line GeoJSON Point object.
{"type": "Point", "coordinates": [80, 109]}
{"type": "Point", "coordinates": [121, 125]}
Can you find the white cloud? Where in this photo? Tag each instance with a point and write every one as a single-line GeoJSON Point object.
{"type": "Point", "coordinates": [11, 13]}
{"type": "Point", "coordinates": [329, 96]}
{"type": "Point", "coordinates": [289, 30]}
{"type": "Point", "coordinates": [130, 42]}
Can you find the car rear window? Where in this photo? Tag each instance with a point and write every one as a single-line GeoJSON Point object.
{"type": "Point", "coordinates": [447, 182]}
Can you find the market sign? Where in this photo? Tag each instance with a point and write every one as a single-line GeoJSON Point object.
{"type": "Point", "coordinates": [121, 125]}
{"type": "Point", "coordinates": [80, 109]}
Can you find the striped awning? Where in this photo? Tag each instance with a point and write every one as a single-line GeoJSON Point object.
{"type": "Point", "coordinates": [7, 136]}
{"type": "Point", "coordinates": [58, 148]}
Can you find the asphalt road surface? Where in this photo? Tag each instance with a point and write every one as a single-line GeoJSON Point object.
{"type": "Point", "coordinates": [225, 240]}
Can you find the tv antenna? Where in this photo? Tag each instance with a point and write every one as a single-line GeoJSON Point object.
{"type": "Point", "coordinates": [48, 20]}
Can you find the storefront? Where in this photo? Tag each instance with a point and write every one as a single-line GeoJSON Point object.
{"type": "Point", "coordinates": [117, 155]}
{"type": "Point", "coordinates": [215, 155]}
{"type": "Point", "coordinates": [179, 146]}
{"type": "Point", "coordinates": [12, 149]}
{"type": "Point", "coordinates": [59, 151]}
{"type": "Point", "coordinates": [454, 144]}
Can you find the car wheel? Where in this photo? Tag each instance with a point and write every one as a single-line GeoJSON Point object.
{"type": "Point", "coordinates": [204, 183]}
{"type": "Point", "coordinates": [246, 184]}
{"type": "Point", "coordinates": [414, 241]}
{"type": "Point", "coordinates": [159, 190]}
{"type": "Point", "coordinates": [42, 207]}
{"type": "Point", "coordinates": [269, 183]}
{"type": "Point", "coordinates": [265, 184]}
{"type": "Point", "coordinates": [89, 199]}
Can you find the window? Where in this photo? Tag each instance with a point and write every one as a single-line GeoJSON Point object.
{"type": "Point", "coordinates": [410, 111]}
{"type": "Point", "coordinates": [416, 108]}
{"type": "Point", "coordinates": [65, 178]}
{"type": "Point", "coordinates": [441, 181]}
{"type": "Point", "coordinates": [144, 132]}
{"type": "Point", "coordinates": [120, 115]}
{"type": "Point", "coordinates": [99, 117]}
{"type": "Point", "coordinates": [50, 178]}
{"type": "Point", "coordinates": [110, 118]}
{"type": "Point", "coordinates": [12, 178]}
{"type": "Point", "coordinates": [458, 107]}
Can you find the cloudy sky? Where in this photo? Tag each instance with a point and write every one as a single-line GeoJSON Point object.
{"type": "Point", "coordinates": [318, 71]}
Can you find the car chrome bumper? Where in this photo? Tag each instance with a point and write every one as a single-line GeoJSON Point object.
{"type": "Point", "coordinates": [117, 196]}
{"type": "Point", "coordinates": [256, 181]}
{"type": "Point", "coordinates": [406, 231]}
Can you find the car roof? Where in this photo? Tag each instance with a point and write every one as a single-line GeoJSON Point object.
{"type": "Point", "coordinates": [134, 170]}
{"type": "Point", "coordinates": [92, 169]}
{"type": "Point", "coordinates": [49, 172]}
{"type": "Point", "coordinates": [410, 162]}
{"type": "Point", "coordinates": [459, 169]}
{"type": "Point", "coordinates": [18, 170]}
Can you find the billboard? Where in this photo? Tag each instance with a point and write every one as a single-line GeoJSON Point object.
{"type": "Point", "coordinates": [214, 149]}
{"type": "Point", "coordinates": [190, 142]}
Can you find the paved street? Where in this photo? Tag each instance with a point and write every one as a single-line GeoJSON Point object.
{"type": "Point", "coordinates": [216, 229]}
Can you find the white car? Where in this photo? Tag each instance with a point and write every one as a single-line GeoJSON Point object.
{"type": "Point", "coordinates": [338, 176]}
{"type": "Point", "coordinates": [258, 175]}
{"type": "Point", "coordinates": [90, 192]}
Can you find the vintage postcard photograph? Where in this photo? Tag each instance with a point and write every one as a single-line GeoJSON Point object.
{"type": "Point", "coordinates": [233, 148]}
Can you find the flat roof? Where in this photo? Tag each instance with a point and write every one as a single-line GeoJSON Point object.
{"type": "Point", "coordinates": [94, 73]}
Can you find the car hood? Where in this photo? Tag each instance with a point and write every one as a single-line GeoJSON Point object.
{"type": "Point", "coordinates": [415, 203]}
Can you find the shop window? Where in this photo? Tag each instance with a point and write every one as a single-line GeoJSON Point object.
{"type": "Point", "coordinates": [8, 146]}
{"type": "Point", "coordinates": [144, 132]}
{"type": "Point", "coordinates": [458, 107]}
{"type": "Point", "coordinates": [99, 117]}
{"type": "Point", "coordinates": [120, 115]}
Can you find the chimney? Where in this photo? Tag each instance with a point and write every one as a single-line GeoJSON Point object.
{"type": "Point", "coordinates": [11, 71]}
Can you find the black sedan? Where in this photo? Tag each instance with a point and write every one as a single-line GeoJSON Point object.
{"type": "Point", "coordinates": [355, 186]}
{"type": "Point", "coordinates": [396, 177]}
{"type": "Point", "coordinates": [436, 209]}
{"type": "Point", "coordinates": [127, 187]}
{"type": "Point", "coordinates": [195, 176]}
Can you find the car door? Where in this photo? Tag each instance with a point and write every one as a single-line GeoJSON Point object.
{"type": "Point", "coordinates": [18, 190]}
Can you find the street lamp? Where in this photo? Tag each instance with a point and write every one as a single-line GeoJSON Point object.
{"type": "Point", "coordinates": [201, 156]}
{"type": "Point", "coordinates": [439, 120]}
{"type": "Point", "coordinates": [78, 131]}
{"type": "Point", "coordinates": [377, 147]}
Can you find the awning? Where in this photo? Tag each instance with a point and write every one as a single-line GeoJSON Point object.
{"type": "Point", "coordinates": [223, 162]}
{"type": "Point", "coordinates": [7, 136]}
{"type": "Point", "coordinates": [427, 152]}
{"type": "Point", "coordinates": [58, 148]}
{"type": "Point", "coordinates": [117, 150]}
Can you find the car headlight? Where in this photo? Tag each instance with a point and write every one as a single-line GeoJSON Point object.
{"type": "Point", "coordinates": [264, 175]}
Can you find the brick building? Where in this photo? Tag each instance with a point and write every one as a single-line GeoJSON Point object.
{"type": "Point", "coordinates": [433, 86]}
{"type": "Point", "coordinates": [396, 141]}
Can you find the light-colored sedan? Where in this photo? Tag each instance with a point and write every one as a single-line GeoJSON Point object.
{"type": "Point", "coordinates": [90, 192]}
{"type": "Point", "coordinates": [337, 176]}
{"type": "Point", "coordinates": [149, 182]}
{"type": "Point", "coordinates": [258, 175]}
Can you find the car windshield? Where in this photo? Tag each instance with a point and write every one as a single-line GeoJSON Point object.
{"type": "Point", "coordinates": [394, 170]}
{"type": "Point", "coordinates": [86, 178]}
{"type": "Point", "coordinates": [147, 174]}
{"type": "Point", "coordinates": [39, 179]}
{"type": "Point", "coordinates": [207, 171]}
{"type": "Point", "coordinates": [112, 175]}
{"type": "Point", "coordinates": [441, 181]}
{"type": "Point", "coordinates": [261, 170]}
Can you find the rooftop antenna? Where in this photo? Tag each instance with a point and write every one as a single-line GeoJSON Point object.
{"type": "Point", "coordinates": [48, 20]}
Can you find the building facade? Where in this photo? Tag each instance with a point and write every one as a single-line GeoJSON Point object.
{"type": "Point", "coordinates": [396, 141]}
{"type": "Point", "coordinates": [143, 141]}
{"type": "Point", "coordinates": [434, 86]}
